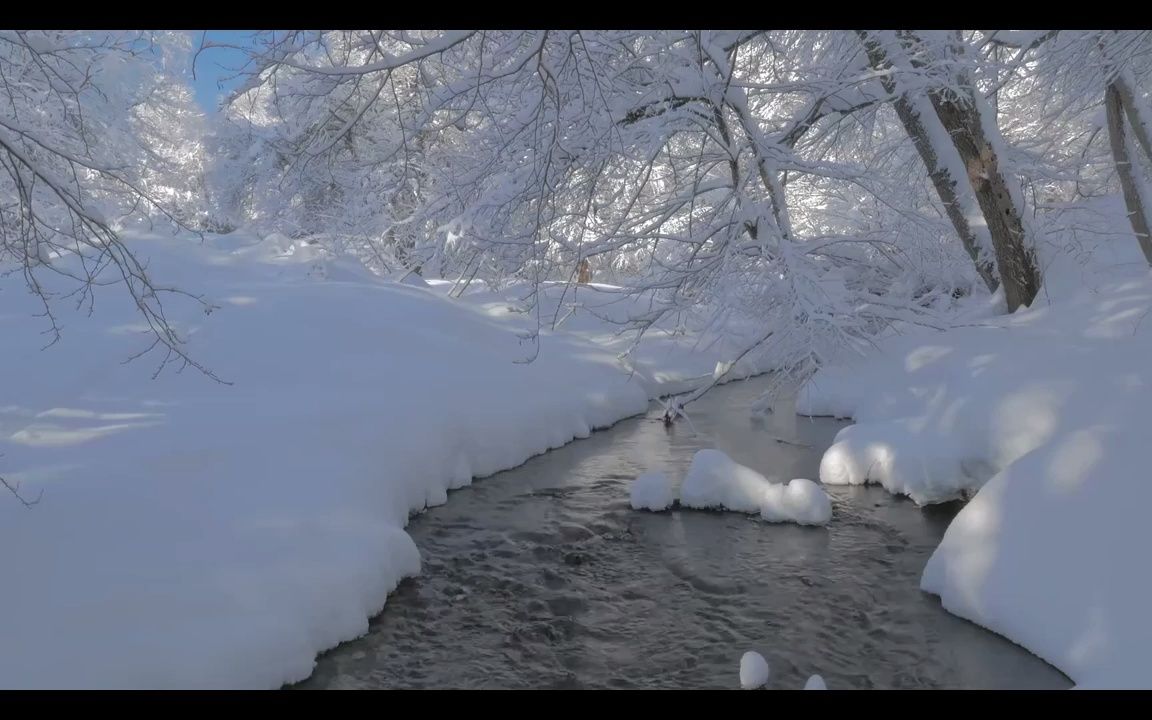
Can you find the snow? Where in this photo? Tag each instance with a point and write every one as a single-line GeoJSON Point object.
{"type": "Point", "coordinates": [196, 534]}
{"type": "Point", "coordinates": [653, 491]}
{"type": "Point", "coordinates": [815, 683]}
{"type": "Point", "coordinates": [1042, 416]}
{"type": "Point", "coordinates": [218, 535]}
{"type": "Point", "coordinates": [948, 159]}
{"type": "Point", "coordinates": [904, 458]}
{"type": "Point", "coordinates": [193, 534]}
{"type": "Point", "coordinates": [800, 501]}
{"type": "Point", "coordinates": [669, 359]}
{"type": "Point", "coordinates": [1051, 553]}
{"type": "Point", "coordinates": [754, 670]}
{"type": "Point", "coordinates": [717, 482]}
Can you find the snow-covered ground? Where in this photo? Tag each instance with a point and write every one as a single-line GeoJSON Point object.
{"type": "Point", "coordinates": [1044, 415]}
{"type": "Point", "coordinates": [672, 357]}
{"type": "Point", "coordinates": [196, 534]}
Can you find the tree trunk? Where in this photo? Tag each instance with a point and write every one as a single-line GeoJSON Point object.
{"type": "Point", "coordinates": [1136, 112]}
{"type": "Point", "coordinates": [946, 185]}
{"type": "Point", "coordinates": [1114, 106]}
{"type": "Point", "coordinates": [584, 272]}
{"type": "Point", "coordinates": [960, 113]}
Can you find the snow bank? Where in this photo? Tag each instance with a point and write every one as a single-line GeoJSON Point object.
{"type": "Point", "coordinates": [653, 491]}
{"type": "Point", "coordinates": [1044, 416]}
{"type": "Point", "coordinates": [716, 481]}
{"type": "Point", "coordinates": [904, 459]}
{"type": "Point", "coordinates": [200, 535]}
{"type": "Point", "coordinates": [1053, 554]}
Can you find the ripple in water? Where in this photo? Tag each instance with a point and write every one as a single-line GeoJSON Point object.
{"type": "Point", "coordinates": [543, 577]}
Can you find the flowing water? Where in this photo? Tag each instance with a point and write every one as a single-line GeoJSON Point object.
{"type": "Point", "coordinates": [543, 577]}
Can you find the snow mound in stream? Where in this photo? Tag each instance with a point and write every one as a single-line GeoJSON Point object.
{"type": "Point", "coordinates": [653, 491]}
{"type": "Point", "coordinates": [800, 501]}
{"type": "Point", "coordinates": [754, 670]}
{"type": "Point", "coordinates": [716, 481]}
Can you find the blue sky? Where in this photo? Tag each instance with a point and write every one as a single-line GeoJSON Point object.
{"type": "Point", "coordinates": [216, 64]}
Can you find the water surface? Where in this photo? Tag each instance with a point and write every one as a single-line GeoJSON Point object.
{"type": "Point", "coordinates": [543, 577]}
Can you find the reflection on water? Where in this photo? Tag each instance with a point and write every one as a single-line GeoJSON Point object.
{"type": "Point", "coordinates": [542, 577]}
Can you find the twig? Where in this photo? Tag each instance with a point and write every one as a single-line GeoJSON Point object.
{"type": "Point", "coordinates": [15, 490]}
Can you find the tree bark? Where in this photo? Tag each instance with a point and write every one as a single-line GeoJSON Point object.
{"type": "Point", "coordinates": [1114, 107]}
{"type": "Point", "coordinates": [1137, 114]}
{"type": "Point", "coordinates": [959, 113]}
{"type": "Point", "coordinates": [1017, 265]}
{"type": "Point", "coordinates": [942, 180]}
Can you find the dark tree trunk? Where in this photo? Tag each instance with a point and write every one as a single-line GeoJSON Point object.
{"type": "Point", "coordinates": [1114, 106]}
{"type": "Point", "coordinates": [942, 180]}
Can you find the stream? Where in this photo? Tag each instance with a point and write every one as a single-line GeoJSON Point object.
{"type": "Point", "coordinates": [543, 577]}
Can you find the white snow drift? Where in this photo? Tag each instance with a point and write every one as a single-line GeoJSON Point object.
{"type": "Point", "coordinates": [200, 535]}
{"type": "Point", "coordinates": [1045, 414]}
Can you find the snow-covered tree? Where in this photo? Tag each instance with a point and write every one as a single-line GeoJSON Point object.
{"type": "Point", "coordinates": [96, 133]}
{"type": "Point", "coordinates": [826, 184]}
